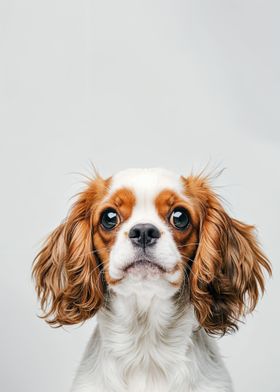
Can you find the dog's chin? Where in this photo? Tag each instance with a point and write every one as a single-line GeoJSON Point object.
{"type": "Point", "coordinates": [146, 279]}
{"type": "Point", "coordinates": [144, 269]}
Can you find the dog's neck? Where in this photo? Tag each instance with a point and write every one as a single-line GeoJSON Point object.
{"type": "Point", "coordinates": [147, 342]}
{"type": "Point", "coordinates": [144, 322]}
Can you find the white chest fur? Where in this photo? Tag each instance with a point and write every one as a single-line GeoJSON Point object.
{"type": "Point", "coordinates": [148, 346]}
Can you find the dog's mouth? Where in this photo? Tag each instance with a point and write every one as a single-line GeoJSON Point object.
{"type": "Point", "coordinates": [144, 265]}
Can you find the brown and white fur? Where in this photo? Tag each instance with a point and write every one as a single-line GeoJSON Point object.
{"type": "Point", "coordinates": [157, 304]}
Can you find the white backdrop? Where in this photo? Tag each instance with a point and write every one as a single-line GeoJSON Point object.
{"type": "Point", "coordinates": [131, 83]}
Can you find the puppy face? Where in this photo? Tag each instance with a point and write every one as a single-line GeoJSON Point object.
{"type": "Point", "coordinates": [146, 225]}
{"type": "Point", "coordinates": [150, 231]}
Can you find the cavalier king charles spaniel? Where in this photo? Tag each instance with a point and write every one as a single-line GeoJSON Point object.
{"type": "Point", "coordinates": [164, 267]}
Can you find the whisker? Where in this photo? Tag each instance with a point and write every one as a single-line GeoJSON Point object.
{"type": "Point", "coordinates": [186, 245]}
{"type": "Point", "coordinates": [97, 286]}
{"type": "Point", "coordinates": [91, 252]}
{"type": "Point", "coordinates": [190, 269]}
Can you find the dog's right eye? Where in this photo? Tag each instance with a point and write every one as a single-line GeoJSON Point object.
{"type": "Point", "coordinates": [109, 219]}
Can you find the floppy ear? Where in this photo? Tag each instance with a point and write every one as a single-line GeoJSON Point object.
{"type": "Point", "coordinates": [66, 271]}
{"type": "Point", "coordinates": [227, 272]}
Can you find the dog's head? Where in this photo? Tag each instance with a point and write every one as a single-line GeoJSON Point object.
{"type": "Point", "coordinates": [151, 230]}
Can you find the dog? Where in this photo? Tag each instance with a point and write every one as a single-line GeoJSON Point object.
{"type": "Point", "coordinates": [164, 267]}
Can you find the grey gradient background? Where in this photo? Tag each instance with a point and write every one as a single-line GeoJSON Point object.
{"type": "Point", "coordinates": [126, 83]}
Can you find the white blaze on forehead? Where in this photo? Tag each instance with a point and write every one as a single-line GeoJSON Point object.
{"type": "Point", "coordinates": [147, 183]}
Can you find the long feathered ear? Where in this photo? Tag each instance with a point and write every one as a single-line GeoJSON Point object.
{"type": "Point", "coordinates": [66, 271]}
{"type": "Point", "coordinates": [227, 272]}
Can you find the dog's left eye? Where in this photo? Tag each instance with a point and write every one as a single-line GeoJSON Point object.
{"type": "Point", "coordinates": [179, 218]}
{"type": "Point", "coordinates": [109, 219]}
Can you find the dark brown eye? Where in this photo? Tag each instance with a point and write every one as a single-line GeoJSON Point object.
{"type": "Point", "coordinates": [179, 218]}
{"type": "Point", "coordinates": [109, 219]}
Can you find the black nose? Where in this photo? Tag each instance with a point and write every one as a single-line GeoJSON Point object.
{"type": "Point", "coordinates": [144, 234]}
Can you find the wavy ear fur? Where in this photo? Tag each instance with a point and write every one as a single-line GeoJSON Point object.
{"type": "Point", "coordinates": [66, 271]}
{"type": "Point", "coordinates": [227, 272]}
